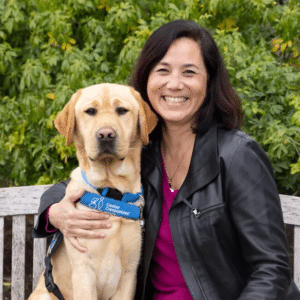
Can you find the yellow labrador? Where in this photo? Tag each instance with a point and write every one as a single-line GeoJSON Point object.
{"type": "Point", "coordinates": [108, 123]}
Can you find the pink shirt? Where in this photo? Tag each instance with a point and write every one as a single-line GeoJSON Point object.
{"type": "Point", "coordinates": [165, 272]}
{"type": "Point", "coordinates": [49, 228]}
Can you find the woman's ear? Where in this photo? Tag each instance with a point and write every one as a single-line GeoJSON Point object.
{"type": "Point", "coordinates": [65, 120]}
{"type": "Point", "coordinates": [147, 118]}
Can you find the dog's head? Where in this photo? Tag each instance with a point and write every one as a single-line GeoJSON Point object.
{"type": "Point", "coordinates": [106, 120]}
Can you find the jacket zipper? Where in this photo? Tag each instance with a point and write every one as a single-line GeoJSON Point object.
{"type": "Point", "coordinates": [197, 213]}
{"type": "Point", "coordinates": [182, 240]}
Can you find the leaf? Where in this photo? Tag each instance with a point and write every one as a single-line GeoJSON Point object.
{"type": "Point", "coordinates": [51, 96]}
{"type": "Point", "coordinates": [296, 118]}
{"type": "Point", "coordinates": [276, 41]}
{"type": "Point", "coordinates": [283, 47]}
{"type": "Point", "coordinates": [7, 284]}
{"type": "Point", "coordinates": [275, 48]}
{"type": "Point", "coordinates": [295, 52]}
{"type": "Point", "coordinates": [295, 168]}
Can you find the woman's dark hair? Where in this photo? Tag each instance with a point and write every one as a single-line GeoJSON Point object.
{"type": "Point", "coordinates": [221, 105]}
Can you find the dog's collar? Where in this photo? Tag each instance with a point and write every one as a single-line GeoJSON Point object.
{"type": "Point", "coordinates": [113, 193]}
{"type": "Point", "coordinates": [111, 201]}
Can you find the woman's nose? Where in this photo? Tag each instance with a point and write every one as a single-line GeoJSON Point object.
{"type": "Point", "coordinates": [174, 82]}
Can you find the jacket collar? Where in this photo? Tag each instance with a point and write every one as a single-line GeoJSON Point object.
{"type": "Point", "coordinates": [203, 169]}
{"type": "Point", "coordinates": [151, 165]}
{"type": "Point", "coordinates": [204, 166]}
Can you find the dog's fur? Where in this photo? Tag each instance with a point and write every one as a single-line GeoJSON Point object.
{"type": "Point", "coordinates": [108, 269]}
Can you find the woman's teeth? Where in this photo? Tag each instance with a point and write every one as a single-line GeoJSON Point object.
{"type": "Point", "coordinates": [175, 100]}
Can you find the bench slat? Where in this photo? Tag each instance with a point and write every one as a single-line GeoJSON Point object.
{"type": "Point", "coordinates": [18, 258]}
{"type": "Point", "coordinates": [21, 200]}
{"type": "Point", "coordinates": [39, 252]}
{"type": "Point", "coordinates": [297, 255]}
{"type": "Point", "coordinates": [291, 209]}
{"type": "Point", "coordinates": [1, 255]}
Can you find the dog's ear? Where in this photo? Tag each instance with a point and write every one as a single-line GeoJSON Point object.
{"type": "Point", "coordinates": [147, 118]}
{"type": "Point", "coordinates": [65, 120]}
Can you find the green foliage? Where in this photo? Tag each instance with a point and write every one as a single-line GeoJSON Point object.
{"type": "Point", "coordinates": [269, 91]}
{"type": "Point", "coordinates": [49, 49]}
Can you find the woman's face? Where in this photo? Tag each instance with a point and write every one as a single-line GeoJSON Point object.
{"type": "Point", "coordinates": [176, 86]}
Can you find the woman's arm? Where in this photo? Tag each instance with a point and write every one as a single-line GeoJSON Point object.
{"type": "Point", "coordinates": [64, 215]}
{"type": "Point", "coordinates": [53, 195]}
{"type": "Point", "coordinates": [256, 213]}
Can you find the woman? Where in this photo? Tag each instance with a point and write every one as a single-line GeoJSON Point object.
{"type": "Point", "coordinates": [213, 221]}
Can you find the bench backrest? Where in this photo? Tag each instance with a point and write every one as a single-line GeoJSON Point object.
{"type": "Point", "coordinates": [21, 201]}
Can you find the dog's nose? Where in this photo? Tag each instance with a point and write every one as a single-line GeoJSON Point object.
{"type": "Point", "coordinates": [106, 134]}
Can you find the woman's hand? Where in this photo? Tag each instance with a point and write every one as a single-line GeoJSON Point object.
{"type": "Point", "coordinates": [76, 223]}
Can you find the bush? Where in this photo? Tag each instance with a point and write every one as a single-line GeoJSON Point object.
{"type": "Point", "coordinates": [49, 49]}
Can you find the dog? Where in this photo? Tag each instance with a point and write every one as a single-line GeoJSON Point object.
{"type": "Point", "coordinates": [109, 124]}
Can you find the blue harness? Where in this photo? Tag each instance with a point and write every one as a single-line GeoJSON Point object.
{"type": "Point", "coordinates": [103, 202]}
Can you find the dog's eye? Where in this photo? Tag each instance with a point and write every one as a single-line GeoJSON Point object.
{"type": "Point", "coordinates": [121, 111]}
{"type": "Point", "coordinates": [91, 111]}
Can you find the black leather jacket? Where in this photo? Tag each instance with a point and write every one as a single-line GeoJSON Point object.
{"type": "Point", "coordinates": [236, 248]}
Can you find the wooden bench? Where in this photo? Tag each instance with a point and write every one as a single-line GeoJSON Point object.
{"type": "Point", "coordinates": [21, 201]}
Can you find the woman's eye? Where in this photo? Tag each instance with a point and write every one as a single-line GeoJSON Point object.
{"type": "Point", "coordinates": [91, 111]}
{"type": "Point", "coordinates": [121, 111]}
{"type": "Point", "coordinates": [162, 70]}
{"type": "Point", "coordinates": [190, 72]}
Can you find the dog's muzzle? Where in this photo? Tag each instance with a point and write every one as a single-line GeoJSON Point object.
{"type": "Point", "coordinates": [106, 138]}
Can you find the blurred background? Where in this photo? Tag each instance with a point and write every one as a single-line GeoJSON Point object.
{"type": "Point", "coordinates": [51, 48]}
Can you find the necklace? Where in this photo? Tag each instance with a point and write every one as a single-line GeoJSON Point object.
{"type": "Point", "coordinates": [170, 178]}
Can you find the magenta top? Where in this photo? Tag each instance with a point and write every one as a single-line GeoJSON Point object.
{"type": "Point", "coordinates": [49, 228]}
{"type": "Point", "coordinates": [165, 272]}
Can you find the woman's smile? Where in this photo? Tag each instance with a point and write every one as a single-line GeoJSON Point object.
{"type": "Point", "coordinates": [175, 99]}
